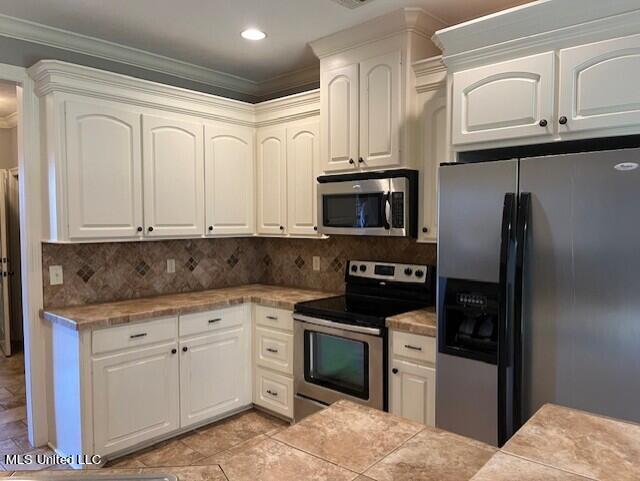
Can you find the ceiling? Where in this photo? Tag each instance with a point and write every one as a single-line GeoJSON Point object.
{"type": "Point", "coordinates": [207, 32]}
{"type": "Point", "coordinates": [8, 103]}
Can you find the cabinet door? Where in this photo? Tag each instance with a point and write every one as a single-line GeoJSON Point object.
{"type": "Point", "coordinates": [173, 177]}
{"type": "Point", "coordinates": [104, 171]}
{"type": "Point", "coordinates": [599, 86]}
{"type": "Point", "coordinates": [413, 392]}
{"type": "Point", "coordinates": [303, 152]}
{"type": "Point", "coordinates": [434, 149]}
{"type": "Point", "coordinates": [508, 100]}
{"type": "Point", "coordinates": [229, 171]}
{"type": "Point", "coordinates": [271, 165]}
{"type": "Point", "coordinates": [135, 397]}
{"type": "Point", "coordinates": [339, 107]}
{"type": "Point", "coordinates": [215, 374]}
{"type": "Point", "coordinates": [380, 94]}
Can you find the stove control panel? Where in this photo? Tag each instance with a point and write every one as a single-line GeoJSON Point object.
{"type": "Point", "coordinates": [387, 271]}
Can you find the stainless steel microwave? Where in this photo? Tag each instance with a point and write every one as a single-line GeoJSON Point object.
{"type": "Point", "coordinates": [380, 203]}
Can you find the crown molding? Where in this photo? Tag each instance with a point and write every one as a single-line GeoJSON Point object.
{"type": "Point", "coordinates": [82, 44]}
{"type": "Point", "coordinates": [535, 27]}
{"type": "Point", "coordinates": [414, 20]}
{"type": "Point", "coordinates": [9, 121]}
{"type": "Point", "coordinates": [54, 76]}
{"type": "Point", "coordinates": [431, 74]}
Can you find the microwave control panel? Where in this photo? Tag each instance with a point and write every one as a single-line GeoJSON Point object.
{"type": "Point", "coordinates": [397, 210]}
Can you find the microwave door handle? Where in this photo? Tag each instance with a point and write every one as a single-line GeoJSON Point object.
{"type": "Point", "coordinates": [386, 205]}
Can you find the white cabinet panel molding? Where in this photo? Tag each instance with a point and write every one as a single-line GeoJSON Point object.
{"type": "Point", "coordinates": [173, 177]}
{"type": "Point", "coordinates": [303, 157]}
{"type": "Point", "coordinates": [104, 171]}
{"type": "Point", "coordinates": [229, 180]}
{"type": "Point", "coordinates": [271, 180]}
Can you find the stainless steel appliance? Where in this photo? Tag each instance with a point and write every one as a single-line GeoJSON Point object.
{"type": "Point", "coordinates": [340, 342]}
{"type": "Point", "coordinates": [381, 203]}
{"type": "Point", "coordinates": [537, 294]}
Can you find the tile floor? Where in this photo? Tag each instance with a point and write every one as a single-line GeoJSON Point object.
{"type": "Point", "coordinates": [191, 456]}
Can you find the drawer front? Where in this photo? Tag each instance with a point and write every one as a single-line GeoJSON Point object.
{"type": "Point", "coordinates": [274, 318]}
{"type": "Point", "coordinates": [274, 392]}
{"type": "Point", "coordinates": [208, 321]}
{"type": "Point", "coordinates": [274, 350]}
{"type": "Point", "coordinates": [134, 335]}
{"type": "Point", "coordinates": [413, 346]}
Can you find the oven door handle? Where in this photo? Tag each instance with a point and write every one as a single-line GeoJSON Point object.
{"type": "Point", "coordinates": [337, 325]}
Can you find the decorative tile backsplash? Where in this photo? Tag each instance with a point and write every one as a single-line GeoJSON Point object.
{"type": "Point", "coordinates": [126, 270]}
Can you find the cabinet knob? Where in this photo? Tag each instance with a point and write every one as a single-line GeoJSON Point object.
{"type": "Point", "coordinates": [562, 120]}
{"type": "Point", "coordinates": [360, 160]}
{"type": "Point", "coordinates": [150, 229]}
{"type": "Point", "coordinates": [315, 227]}
{"type": "Point", "coordinates": [543, 123]}
{"type": "Point", "coordinates": [139, 228]}
{"type": "Point", "coordinates": [394, 370]}
{"type": "Point", "coordinates": [351, 161]}
{"type": "Point", "coordinates": [210, 228]}
{"type": "Point", "coordinates": [281, 227]}
{"type": "Point", "coordinates": [173, 351]}
{"type": "Point", "coordinates": [185, 349]}
{"type": "Point", "coordinates": [425, 229]}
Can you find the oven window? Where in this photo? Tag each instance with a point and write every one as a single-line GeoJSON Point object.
{"type": "Point", "coordinates": [352, 210]}
{"type": "Point", "coordinates": [337, 363]}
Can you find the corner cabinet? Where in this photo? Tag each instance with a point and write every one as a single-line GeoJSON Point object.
{"type": "Point", "coordinates": [361, 106]}
{"type": "Point", "coordinates": [229, 179]}
{"type": "Point", "coordinates": [512, 99]}
{"type": "Point", "coordinates": [104, 171]}
{"type": "Point", "coordinates": [271, 177]}
{"type": "Point", "coordinates": [173, 176]}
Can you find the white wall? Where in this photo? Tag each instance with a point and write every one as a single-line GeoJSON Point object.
{"type": "Point", "coordinates": [8, 148]}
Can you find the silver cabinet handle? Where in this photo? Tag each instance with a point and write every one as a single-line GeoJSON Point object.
{"type": "Point", "coordinates": [213, 321]}
{"type": "Point", "coordinates": [137, 336]}
{"type": "Point", "coordinates": [409, 346]}
{"type": "Point", "coordinates": [273, 393]}
{"type": "Point", "coordinates": [270, 349]}
{"type": "Point", "coordinates": [272, 318]}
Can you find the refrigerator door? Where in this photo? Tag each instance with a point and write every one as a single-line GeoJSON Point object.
{"type": "Point", "coordinates": [470, 217]}
{"type": "Point", "coordinates": [475, 212]}
{"type": "Point", "coordinates": [580, 306]}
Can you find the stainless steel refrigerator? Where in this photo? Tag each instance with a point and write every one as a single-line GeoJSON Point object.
{"type": "Point", "coordinates": [539, 290]}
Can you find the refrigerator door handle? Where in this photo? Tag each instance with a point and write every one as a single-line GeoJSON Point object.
{"type": "Point", "coordinates": [522, 228]}
{"type": "Point", "coordinates": [507, 238]}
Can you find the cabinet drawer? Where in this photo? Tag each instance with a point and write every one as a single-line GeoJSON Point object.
{"type": "Point", "coordinates": [200, 322]}
{"type": "Point", "coordinates": [134, 335]}
{"type": "Point", "coordinates": [274, 318]}
{"type": "Point", "coordinates": [274, 350]}
{"type": "Point", "coordinates": [274, 392]}
{"type": "Point", "coordinates": [413, 346]}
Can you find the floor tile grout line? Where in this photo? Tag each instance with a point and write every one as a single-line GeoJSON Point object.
{"type": "Point", "coordinates": [316, 456]}
{"type": "Point", "coordinates": [223, 473]}
{"type": "Point", "coordinates": [539, 463]}
{"type": "Point", "coordinates": [392, 451]}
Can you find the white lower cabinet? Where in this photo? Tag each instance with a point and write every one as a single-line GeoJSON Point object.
{"type": "Point", "coordinates": [215, 371]}
{"type": "Point", "coordinates": [135, 397]}
{"type": "Point", "coordinates": [274, 392]}
{"type": "Point", "coordinates": [413, 377]}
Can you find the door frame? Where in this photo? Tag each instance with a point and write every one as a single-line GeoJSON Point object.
{"type": "Point", "coordinates": [31, 216]}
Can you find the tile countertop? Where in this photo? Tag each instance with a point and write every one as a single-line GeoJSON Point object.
{"type": "Point", "coordinates": [422, 321]}
{"type": "Point", "coordinates": [121, 312]}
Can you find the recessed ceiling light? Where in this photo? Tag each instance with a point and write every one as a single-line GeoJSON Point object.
{"type": "Point", "coordinates": [253, 34]}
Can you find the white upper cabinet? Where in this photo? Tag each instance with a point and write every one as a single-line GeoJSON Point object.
{"type": "Point", "coordinates": [599, 86]}
{"type": "Point", "coordinates": [229, 179]}
{"type": "Point", "coordinates": [339, 104]}
{"type": "Point", "coordinates": [173, 177]}
{"type": "Point", "coordinates": [380, 96]}
{"type": "Point", "coordinates": [104, 171]}
{"type": "Point", "coordinates": [508, 100]}
{"type": "Point", "coordinates": [271, 180]}
{"type": "Point", "coordinates": [303, 157]}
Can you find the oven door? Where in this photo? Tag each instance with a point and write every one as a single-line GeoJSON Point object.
{"type": "Point", "coordinates": [334, 361]}
{"type": "Point", "coordinates": [364, 207]}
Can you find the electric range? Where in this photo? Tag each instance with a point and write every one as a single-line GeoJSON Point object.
{"type": "Point", "coordinates": [341, 342]}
